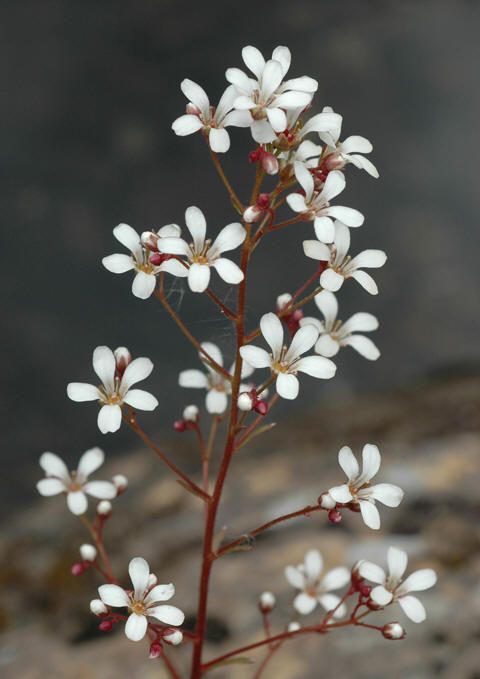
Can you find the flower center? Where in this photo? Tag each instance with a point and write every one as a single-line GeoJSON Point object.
{"type": "Point", "coordinates": [138, 607]}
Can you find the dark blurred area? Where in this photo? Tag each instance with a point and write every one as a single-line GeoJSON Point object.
{"type": "Point", "coordinates": [89, 92]}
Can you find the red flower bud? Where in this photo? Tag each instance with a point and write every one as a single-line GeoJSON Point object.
{"type": "Point", "coordinates": [334, 516]}
{"type": "Point", "coordinates": [106, 626]}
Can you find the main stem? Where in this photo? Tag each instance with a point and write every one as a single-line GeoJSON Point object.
{"type": "Point", "coordinates": [214, 503]}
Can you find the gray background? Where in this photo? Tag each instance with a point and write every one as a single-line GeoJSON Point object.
{"type": "Point", "coordinates": [89, 90]}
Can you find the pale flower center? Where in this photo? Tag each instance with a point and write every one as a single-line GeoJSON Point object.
{"type": "Point", "coordinates": [138, 607]}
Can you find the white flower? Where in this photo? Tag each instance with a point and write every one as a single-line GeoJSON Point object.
{"type": "Point", "coordinates": [314, 589]}
{"type": "Point", "coordinates": [335, 334]}
{"type": "Point", "coordinates": [142, 601]}
{"type": "Point", "coordinates": [286, 363]}
{"type": "Point", "coordinates": [267, 97]}
{"type": "Point", "coordinates": [217, 385]}
{"type": "Point", "coordinates": [392, 588]}
{"type": "Point", "coordinates": [75, 484]}
{"type": "Point", "coordinates": [201, 116]}
{"type": "Point", "coordinates": [202, 254]}
{"type": "Point", "coordinates": [298, 148]}
{"type": "Point", "coordinates": [358, 488]}
{"type": "Point", "coordinates": [115, 389]}
{"type": "Point", "coordinates": [316, 206]}
{"type": "Point", "coordinates": [139, 260]}
{"type": "Point", "coordinates": [341, 265]}
{"type": "Point", "coordinates": [338, 154]}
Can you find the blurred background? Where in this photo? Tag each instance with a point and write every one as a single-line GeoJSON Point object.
{"type": "Point", "coordinates": [90, 90]}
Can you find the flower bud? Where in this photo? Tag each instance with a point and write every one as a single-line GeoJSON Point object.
{"type": "Point", "coordinates": [263, 201]}
{"type": "Point", "coordinates": [77, 569]}
{"type": "Point", "coordinates": [88, 552]}
{"type": "Point", "coordinates": [252, 214]}
{"type": "Point", "coordinates": [149, 240]}
{"type": "Point", "coordinates": [179, 425]}
{"type": "Point", "coordinates": [155, 650]}
{"type": "Point", "coordinates": [191, 413]}
{"type": "Point", "coordinates": [261, 407]}
{"type": "Point", "coordinates": [192, 109]}
{"type": "Point", "coordinates": [173, 637]}
{"type": "Point", "coordinates": [393, 631]}
{"type": "Point", "coordinates": [293, 626]}
{"type": "Point", "coordinates": [245, 401]}
{"type": "Point", "coordinates": [97, 607]}
{"type": "Point", "coordinates": [334, 516]}
{"type": "Point", "coordinates": [254, 156]}
{"type": "Point", "coordinates": [156, 258]}
{"type": "Point", "coordinates": [105, 626]}
{"type": "Point", "coordinates": [122, 358]}
{"type": "Point", "coordinates": [283, 300]}
{"type": "Point", "coordinates": [104, 508]}
{"type": "Point", "coordinates": [326, 501]}
{"type": "Point", "coordinates": [120, 482]}
{"type": "Point", "coordinates": [266, 602]}
{"type": "Point", "coordinates": [334, 161]}
{"type": "Point", "coordinates": [269, 163]}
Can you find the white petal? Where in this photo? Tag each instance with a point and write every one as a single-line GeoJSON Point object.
{"type": "Point", "coordinates": [193, 379]}
{"type": "Point", "coordinates": [139, 369]}
{"type": "Point", "coordinates": [263, 132]}
{"type": "Point", "coordinates": [139, 572]}
{"type": "Point", "coordinates": [419, 580]}
{"type": "Point", "coordinates": [334, 185]}
{"type": "Point", "coordinates": [370, 514]}
{"type": "Point", "coordinates": [160, 593]}
{"type": "Point", "coordinates": [313, 564]}
{"type": "Point", "coordinates": [143, 284]}
{"type": "Point", "coordinates": [359, 322]}
{"type": "Point", "coordinates": [341, 493]}
{"type": "Point", "coordinates": [225, 104]}
{"type": "Point", "coordinates": [90, 461]}
{"type": "Point", "coordinates": [295, 577]}
{"type": "Point", "coordinates": [397, 561]}
{"type": "Point", "coordinates": [335, 578]}
{"type": "Point", "coordinates": [287, 386]}
{"type": "Point", "coordinates": [310, 320]}
{"type": "Point", "coordinates": [238, 119]}
{"type": "Point", "coordinates": [196, 224]}
{"type": "Point", "coordinates": [304, 603]}
{"type": "Point", "coordinates": [316, 250]}
{"type": "Point", "coordinates": [303, 84]}
{"type": "Point", "coordinates": [370, 259]}
{"type": "Point", "coordinates": [136, 627]}
{"type": "Point", "coordinates": [317, 366]}
{"type": "Point", "coordinates": [216, 402]}
{"type": "Point", "coordinates": [323, 122]}
{"type": "Point", "coordinates": [271, 78]}
{"type": "Point", "coordinates": [219, 140]}
{"type": "Point", "coordinates": [104, 365]}
{"type": "Point", "coordinates": [342, 239]}
{"type": "Point", "coordinates": [198, 277]}
{"type": "Point", "coordinates": [53, 465]}
{"type": "Point", "coordinates": [187, 124]}
{"type": "Point", "coordinates": [272, 331]}
{"type": "Point", "coordinates": [228, 271]}
{"type": "Point", "coordinates": [356, 144]}
{"type": "Point", "coordinates": [49, 487]}
{"type": "Point", "coordinates": [297, 202]}
{"type": "Point", "coordinates": [113, 595]}
{"type": "Point", "coordinates": [240, 80]}
{"type": "Point", "coordinates": [348, 215]}
{"type": "Point", "coordinates": [254, 60]}
{"type": "Point", "coordinates": [109, 418]}
{"type": "Point", "coordinates": [324, 229]}
{"type": "Point", "coordinates": [196, 95]}
{"type": "Point", "coordinates": [77, 502]}
{"type": "Point", "coordinates": [381, 596]}
{"type": "Point", "coordinates": [328, 305]}
{"type": "Point", "coordinates": [413, 608]}
{"type": "Point", "coordinates": [327, 346]}
{"type": "Point", "coordinates": [329, 602]}
{"type": "Point", "coordinates": [213, 351]}
{"type": "Point", "coordinates": [255, 356]}
{"type": "Point", "coordinates": [169, 231]}
{"type": "Point", "coordinates": [174, 246]}
{"type": "Point", "coordinates": [348, 462]}
{"type": "Point", "coordinates": [277, 119]}
{"type": "Point", "coordinates": [302, 341]}
{"type": "Point", "coordinates": [129, 238]}
{"type": "Point", "coordinates": [140, 399]}
{"type": "Point", "coordinates": [118, 263]}
{"type": "Point", "coordinates": [366, 281]}
{"type": "Point", "coordinates": [293, 99]}
{"type": "Point", "coordinates": [174, 267]}
{"type": "Point", "coordinates": [169, 615]}
{"type": "Point", "coordinates": [387, 493]}
{"type": "Point", "coordinates": [364, 164]}
{"type": "Point", "coordinates": [371, 461]}
{"type": "Point", "coordinates": [229, 238]}
{"type": "Point", "coordinates": [283, 55]}
{"type": "Point", "coordinates": [305, 180]}
{"type": "Point", "coordinates": [80, 391]}
{"type": "Point", "coordinates": [103, 490]}
{"type": "Point", "coordinates": [331, 280]}
{"type": "Point", "coordinates": [370, 571]}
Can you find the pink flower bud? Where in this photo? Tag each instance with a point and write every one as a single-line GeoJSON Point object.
{"type": "Point", "coordinates": [269, 163]}
{"type": "Point", "coordinates": [254, 156]}
{"type": "Point", "coordinates": [333, 162]}
{"type": "Point", "coordinates": [122, 358]}
{"type": "Point", "coordinates": [365, 589]}
{"type": "Point", "coordinates": [155, 650]}
{"type": "Point", "coordinates": [192, 109]}
{"type": "Point", "coordinates": [261, 407]}
{"type": "Point", "coordinates": [393, 631]}
{"type": "Point", "coordinates": [179, 425]}
{"type": "Point", "coordinates": [149, 240]}
{"type": "Point", "coordinates": [78, 569]}
{"type": "Point", "coordinates": [334, 516]}
{"type": "Point", "coordinates": [263, 201]}
{"type": "Point", "coordinates": [156, 258]}
{"type": "Point", "coordinates": [106, 626]}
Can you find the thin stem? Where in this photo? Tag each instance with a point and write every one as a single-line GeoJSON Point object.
{"type": "Point", "coordinates": [271, 651]}
{"type": "Point", "coordinates": [305, 511]}
{"type": "Point", "coordinates": [132, 421]}
{"type": "Point", "coordinates": [231, 315]}
{"type": "Point", "coordinates": [258, 420]}
{"type": "Point", "coordinates": [97, 538]}
{"type": "Point", "coordinates": [169, 665]}
{"type": "Point", "coordinates": [287, 222]}
{"type": "Point", "coordinates": [236, 202]}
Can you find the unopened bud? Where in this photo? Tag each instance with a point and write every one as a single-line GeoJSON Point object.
{"type": "Point", "coordinates": [156, 258]}
{"type": "Point", "coordinates": [155, 650]}
{"type": "Point", "coordinates": [149, 240]}
{"type": "Point", "coordinates": [192, 109]}
{"type": "Point", "coordinates": [173, 637]}
{"type": "Point", "coordinates": [190, 413]}
{"type": "Point", "coordinates": [261, 407]}
{"type": "Point", "coordinates": [245, 401]}
{"type": "Point", "coordinates": [180, 425]}
{"type": "Point", "coordinates": [393, 631]}
{"type": "Point", "coordinates": [266, 602]}
{"type": "Point", "coordinates": [120, 482]}
{"type": "Point", "coordinates": [254, 156]}
{"type": "Point", "coordinates": [88, 552]}
{"type": "Point", "coordinates": [269, 163]}
{"type": "Point", "coordinates": [77, 569]}
{"type": "Point", "coordinates": [283, 300]}
{"type": "Point", "coordinates": [293, 626]}
{"type": "Point", "coordinates": [97, 607]}
{"type": "Point", "coordinates": [122, 358]}
{"type": "Point", "coordinates": [104, 508]}
{"type": "Point", "coordinates": [334, 516]}
{"type": "Point", "coordinates": [106, 626]}
{"type": "Point", "coordinates": [263, 201]}
{"type": "Point", "coordinates": [252, 214]}
{"type": "Point", "coordinates": [334, 161]}
{"type": "Point", "coordinates": [326, 501]}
